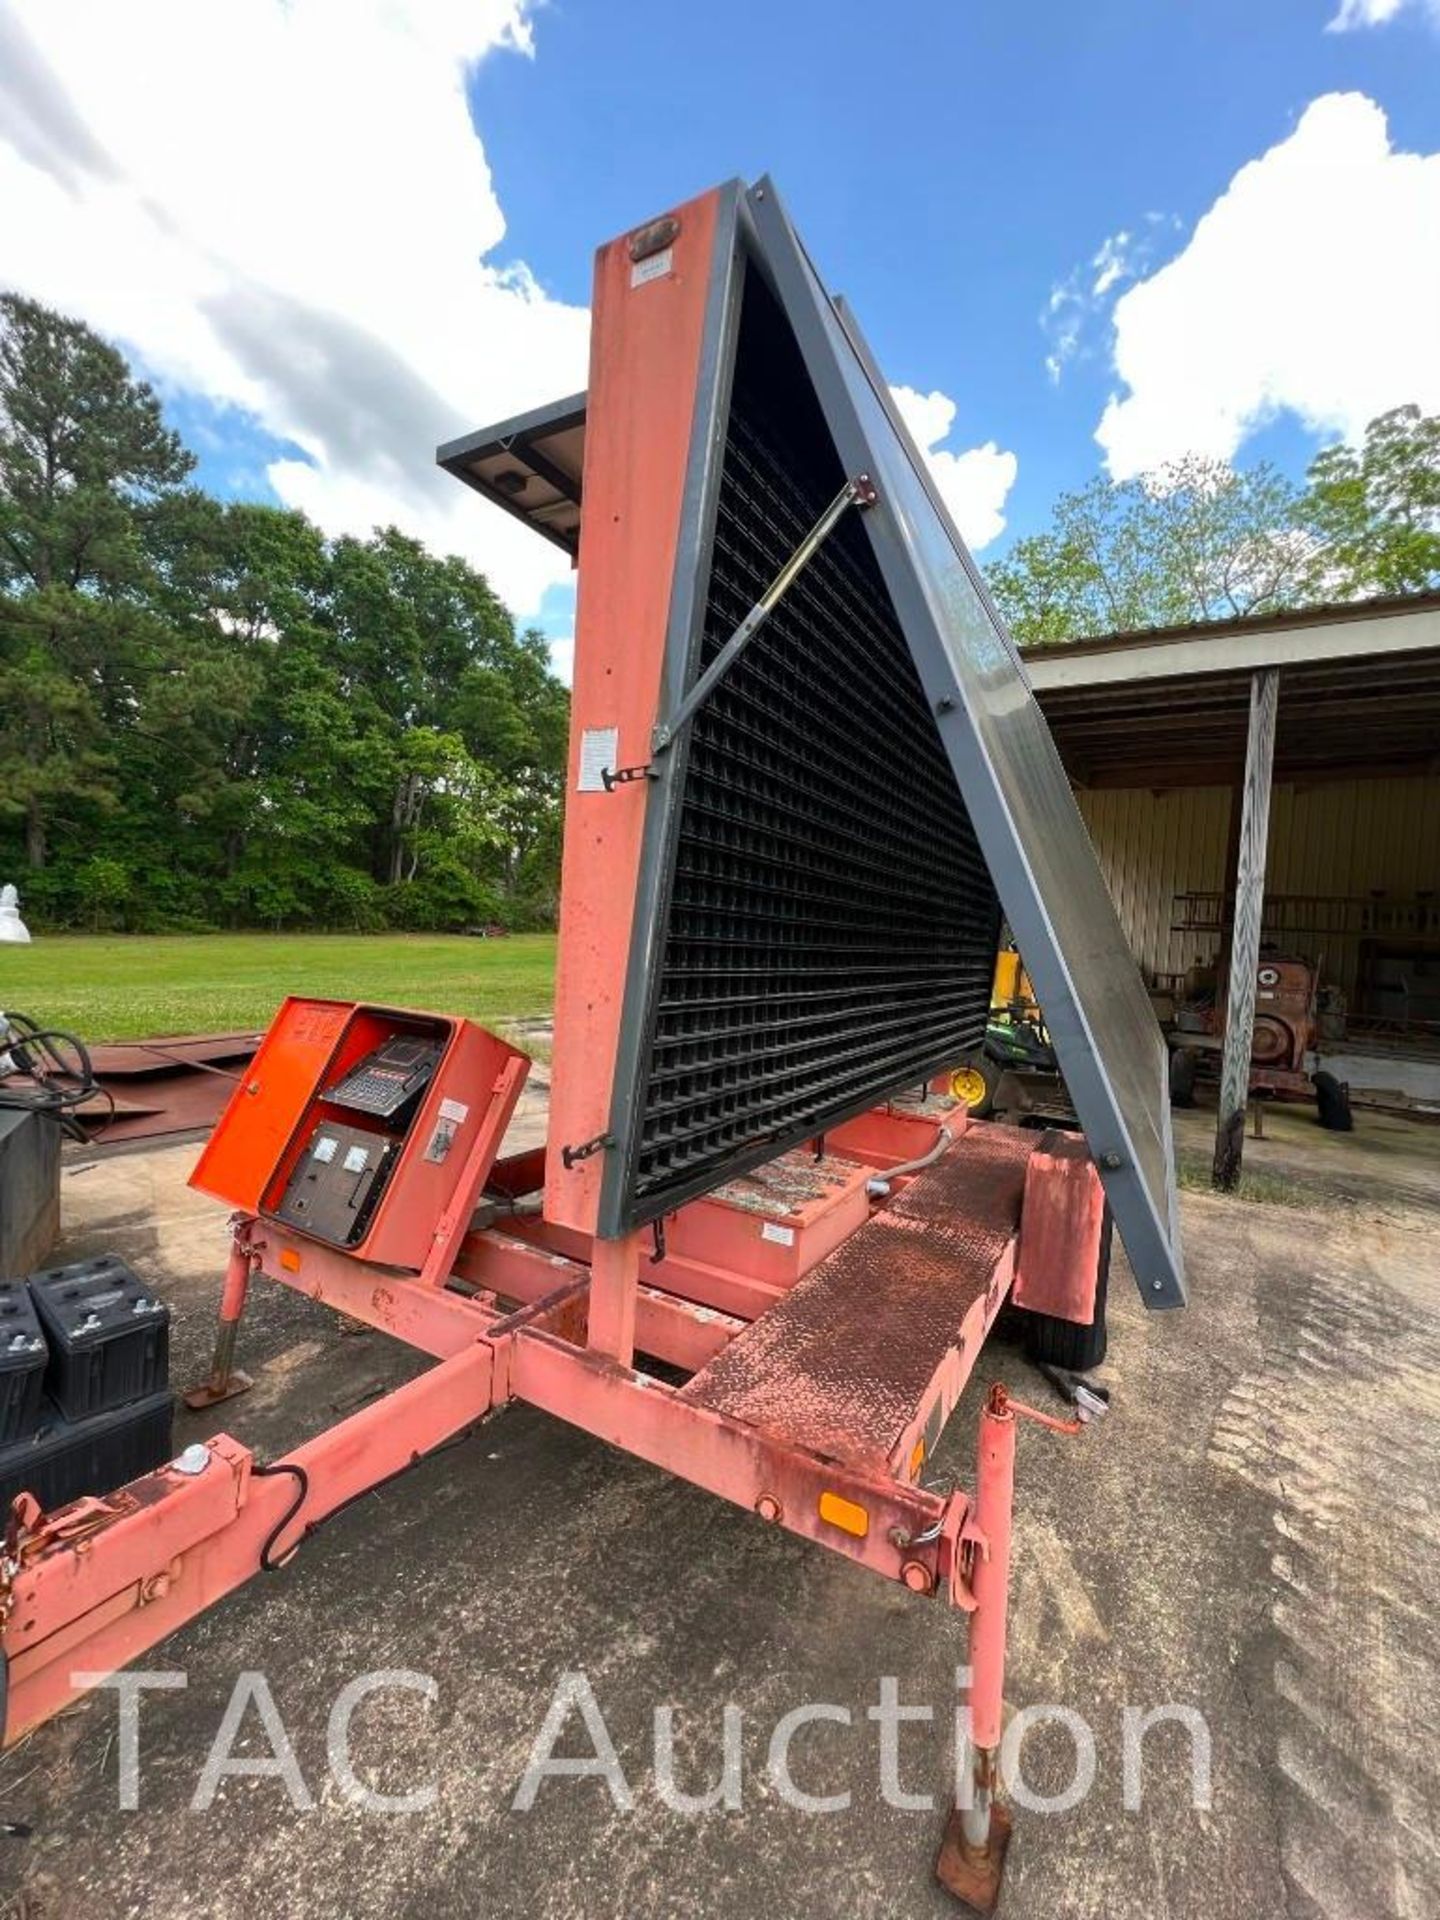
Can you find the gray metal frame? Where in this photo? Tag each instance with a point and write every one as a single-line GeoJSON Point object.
{"type": "Point", "coordinates": [1015, 789]}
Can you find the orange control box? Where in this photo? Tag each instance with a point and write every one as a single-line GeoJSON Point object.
{"type": "Point", "coordinates": [361, 1126]}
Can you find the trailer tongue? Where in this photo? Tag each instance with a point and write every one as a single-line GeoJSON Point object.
{"type": "Point", "coordinates": [807, 779]}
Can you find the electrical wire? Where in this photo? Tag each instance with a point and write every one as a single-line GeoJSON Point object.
{"type": "Point", "coordinates": [59, 1070]}
{"type": "Point", "coordinates": [944, 1140]}
{"type": "Point", "coordinates": [302, 1493]}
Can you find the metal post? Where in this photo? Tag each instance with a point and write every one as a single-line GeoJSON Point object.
{"type": "Point", "coordinates": [1245, 934]}
{"type": "Point", "coordinates": [225, 1381]}
{"type": "Point", "coordinates": [972, 1856]}
{"type": "Point", "coordinates": [614, 1295]}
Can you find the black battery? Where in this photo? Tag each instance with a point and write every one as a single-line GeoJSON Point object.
{"type": "Point", "coordinates": [23, 1354]}
{"type": "Point", "coordinates": [64, 1458]}
{"type": "Point", "coordinates": [337, 1182]}
{"type": "Point", "coordinates": [109, 1335]}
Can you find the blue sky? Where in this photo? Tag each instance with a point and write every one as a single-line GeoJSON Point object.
{"type": "Point", "coordinates": [949, 161]}
{"type": "Point", "coordinates": [364, 225]}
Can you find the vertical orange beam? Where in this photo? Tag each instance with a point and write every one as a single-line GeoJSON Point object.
{"type": "Point", "coordinates": [645, 352]}
{"type": "Point", "coordinates": [614, 1296]}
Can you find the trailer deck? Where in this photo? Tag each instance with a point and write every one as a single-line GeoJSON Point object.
{"type": "Point", "coordinates": [850, 1362]}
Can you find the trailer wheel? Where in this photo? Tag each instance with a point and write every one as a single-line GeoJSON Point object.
{"type": "Point", "coordinates": [1063, 1343]}
{"type": "Point", "coordinates": [976, 1081]}
{"type": "Point", "coordinates": [1183, 1064]}
{"type": "Point", "coordinates": [1332, 1103]}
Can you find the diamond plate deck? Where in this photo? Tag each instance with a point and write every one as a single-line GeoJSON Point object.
{"type": "Point", "coordinates": [844, 1360]}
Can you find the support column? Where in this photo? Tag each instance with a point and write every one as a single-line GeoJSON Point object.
{"type": "Point", "coordinates": [1227, 884]}
{"type": "Point", "coordinates": [225, 1379]}
{"type": "Point", "coordinates": [1245, 932]}
{"type": "Point", "coordinates": [977, 1834]}
{"type": "Point", "coordinates": [614, 1293]}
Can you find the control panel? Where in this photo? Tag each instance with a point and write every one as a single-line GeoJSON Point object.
{"type": "Point", "coordinates": [358, 1126]}
{"type": "Point", "coordinates": [337, 1182]}
{"type": "Point", "coordinates": [390, 1080]}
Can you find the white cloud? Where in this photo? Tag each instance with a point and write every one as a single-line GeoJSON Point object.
{"type": "Point", "coordinates": [1111, 263]}
{"type": "Point", "coordinates": [1077, 312]}
{"type": "Point", "coordinates": [1376, 13]}
{"type": "Point", "coordinates": [562, 657]}
{"type": "Point", "coordinates": [1311, 287]}
{"type": "Point", "coordinates": [973, 484]}
{"type": "Point", "coordinates": [1066, 317]}
{"type": "Point", "coordinates": [282, 205]}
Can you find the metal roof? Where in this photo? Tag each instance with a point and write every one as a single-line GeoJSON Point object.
{"type": "Point", "coordinates": [1359, 718]}
{"type": "Point", "coordinates": [1257, 635]}
{"type": "Point", "coordinates": [1359, 695]}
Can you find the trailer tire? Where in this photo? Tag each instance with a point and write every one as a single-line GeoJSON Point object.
{"type": "Point", "coordinates": [1332, 1103]}
{"type": "Point", "coordinates": [1064, 1343]}
{"type": "Point", "coordinates": [1183, 1064]}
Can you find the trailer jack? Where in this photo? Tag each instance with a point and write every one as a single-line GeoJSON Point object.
{"type": "Point", "coordinates": [977, 1834]}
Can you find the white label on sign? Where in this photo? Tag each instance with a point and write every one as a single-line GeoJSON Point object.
{"type": "Point", "coordinates": [356, 1160]}
{"type": "Point", "coordinates": [782, 1236]}
{"type": "Point", "coordinates": [653, 268]}
{"type": "Point", "coordinates": [455, 1110]}
{"type": "Point", "coordinates": [325, 1149]}
{"type": "Point", "coordinates": [599, 748]}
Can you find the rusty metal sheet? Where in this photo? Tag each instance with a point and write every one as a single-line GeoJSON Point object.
{"type": "Point", "coordinates": [844, 1360]}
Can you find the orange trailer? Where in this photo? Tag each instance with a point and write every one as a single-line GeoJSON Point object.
{"type": "Point", "coordinates": [806, 780]}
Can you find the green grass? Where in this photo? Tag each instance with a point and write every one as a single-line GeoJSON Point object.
{"type": "Point", "coordinates": [1257, 1184]}
{"type": "Point", "coordinates": [138, 986]}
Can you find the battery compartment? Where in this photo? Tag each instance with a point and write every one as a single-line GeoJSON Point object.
{"type": "Point", "coordinates": [343, 1155]}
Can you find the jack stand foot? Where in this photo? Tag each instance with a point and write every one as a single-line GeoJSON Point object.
{"type": "Point", "coordinates": [968, 1874]}
{"type": "Point", "coordinates": [214, 1391]}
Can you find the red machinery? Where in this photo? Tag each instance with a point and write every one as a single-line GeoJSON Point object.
{"type": "Point", "coordinates": [1284, 1033]}
{"type": "Point", "coordinates": [806, 777]}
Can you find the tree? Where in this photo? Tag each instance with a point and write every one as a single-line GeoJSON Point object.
{"type": "Point", "coordinates": [83, 451]}
{"type": "Point", "coordinates": [210, 713]}
{"type": "Point", "coordinates": [1375, 509]}
{"type": "Point", "coordinates": [436, 675]}
{"type": "Point", "coordinates": [1196, 540]}
{"type": "Point", "coordinates": [82, 443]}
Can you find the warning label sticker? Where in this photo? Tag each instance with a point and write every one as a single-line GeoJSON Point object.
{"type": "Point", "coordinates": [599, 750]}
